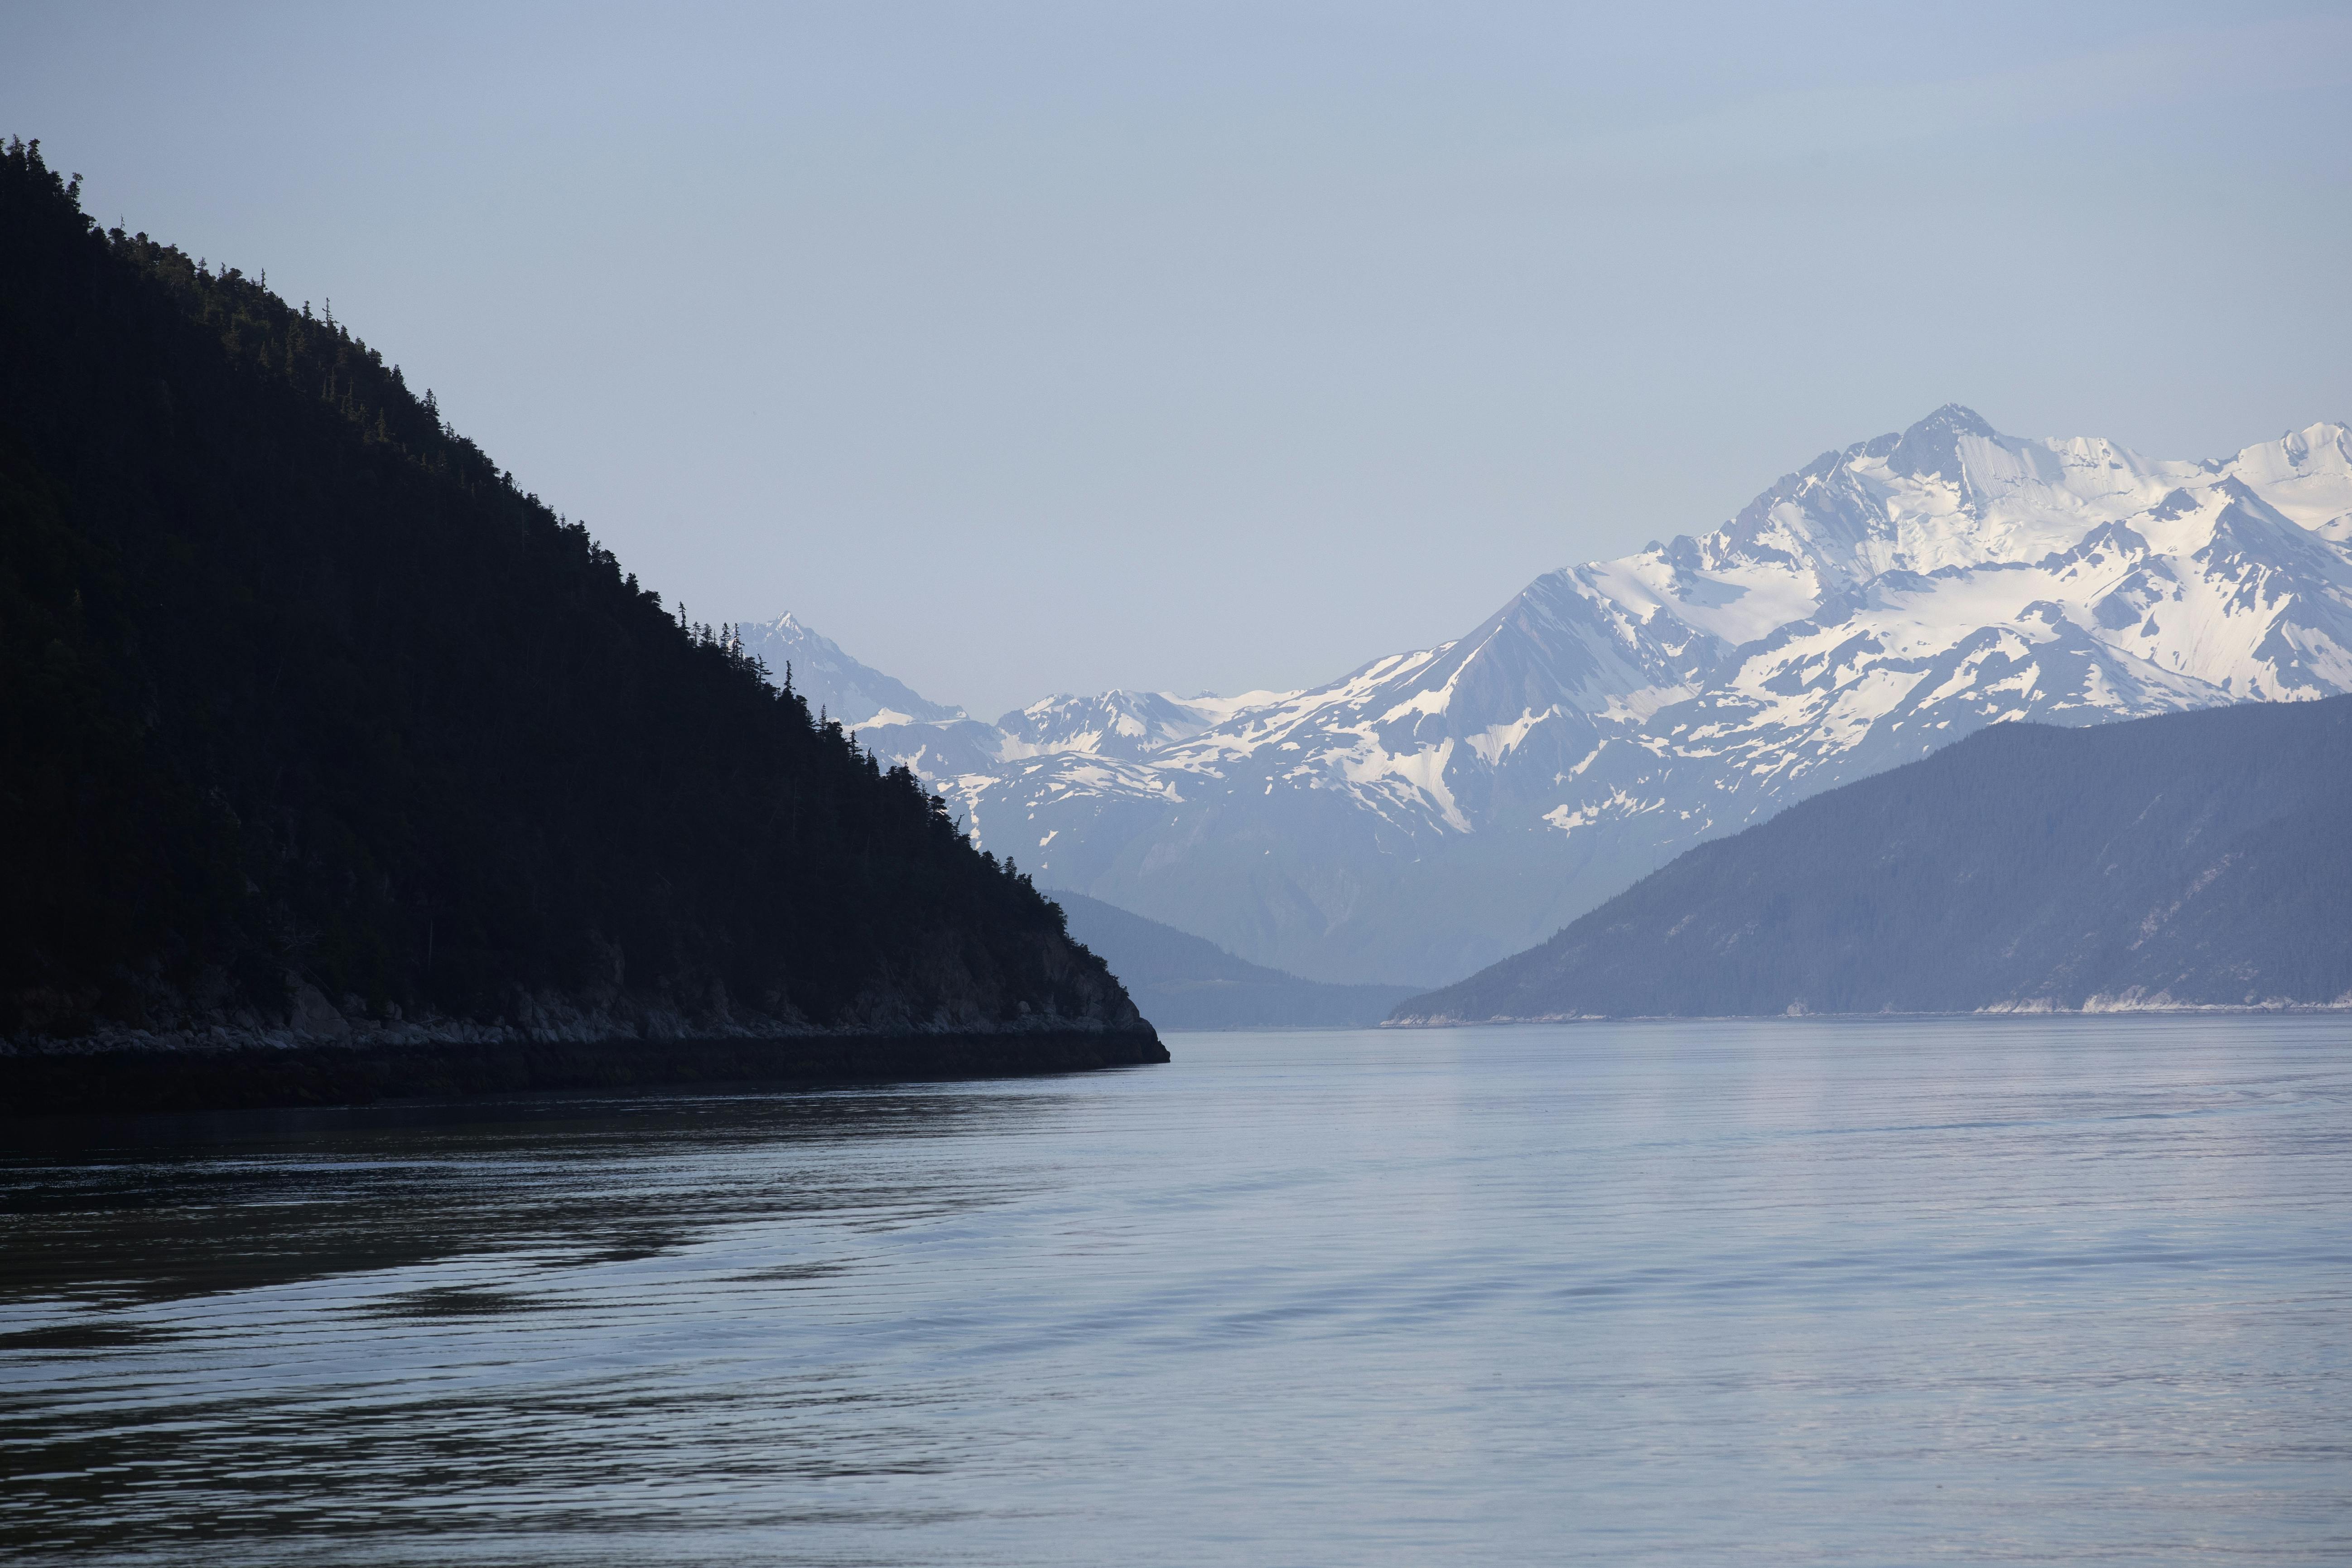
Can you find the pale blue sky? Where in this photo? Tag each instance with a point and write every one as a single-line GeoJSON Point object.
{"type": "Point", "coordinates": [1037, 347]}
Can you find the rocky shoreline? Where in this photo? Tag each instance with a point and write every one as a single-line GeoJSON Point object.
{"type": "Point", "coordinates": [112, 1076]}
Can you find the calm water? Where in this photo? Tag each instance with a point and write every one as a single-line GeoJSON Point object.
{"type": "Point", "coordinates": [2012, 1291]}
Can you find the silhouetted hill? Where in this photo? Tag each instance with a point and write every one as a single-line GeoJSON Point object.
{"type": "Point", "coordinates": [2194, 860]}
{"type": "Point", "coordinates": [1184, 982]}
{"type": "Point", "coordinates": [315, 726]}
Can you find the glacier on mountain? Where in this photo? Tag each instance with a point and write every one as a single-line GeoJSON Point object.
{"type": "Point", "coordinates": [1432, 811]}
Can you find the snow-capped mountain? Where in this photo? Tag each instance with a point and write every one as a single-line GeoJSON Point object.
{"type": "Point", "coordinates": [1129, 725]}
{"type": "Point", "coordinates": [856, 694]}
{"type": "Point", "coordinates": [1433, 811]}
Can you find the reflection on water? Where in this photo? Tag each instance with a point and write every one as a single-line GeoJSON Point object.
{"type": "Point", "coordinates": [2003, 1292]}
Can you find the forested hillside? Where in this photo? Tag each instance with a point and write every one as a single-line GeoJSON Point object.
{"type": "Point", "coordinates": [2195, 859]}
{"type": "Point", "coordinates": [312, 716]}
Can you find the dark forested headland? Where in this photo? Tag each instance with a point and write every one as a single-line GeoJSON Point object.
{"type": "Point", "coordinates": [2193, 861]}
{"type": "Point", "coordinates": [317, 729]}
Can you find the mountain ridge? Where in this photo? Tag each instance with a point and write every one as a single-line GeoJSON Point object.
{"type": "Point", "coordinates": [1184, 982]}
{"type": "Point", "coordinates": [1432, 811]}
{"type": "Point", "coordinates": [2186, 860]}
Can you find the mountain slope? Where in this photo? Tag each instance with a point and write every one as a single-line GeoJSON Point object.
{"type": "Point", "coordinates": [2192, 859]}
{"type": "Point", "coordinates": [1430, 812]}
{"type": "Point", "coordinates": [831, 681]}
{"type": "Point", "coordinates": [313, 724]}
{"type": "Point", "coordinates": [1181, 982]}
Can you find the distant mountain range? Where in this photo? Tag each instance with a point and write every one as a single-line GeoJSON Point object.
{"type": "Point", "coordinates": [2196, 859]}
{"type": "Point", "coordinates": [1181, 982]}
{"type": "Point", "coordinates": [1431, 812]}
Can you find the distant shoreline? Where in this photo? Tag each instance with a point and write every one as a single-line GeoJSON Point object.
{"type": "Point", "coordinates": [118, 1082]}
{"type": "Point", "coordinates": [2168, 1010]}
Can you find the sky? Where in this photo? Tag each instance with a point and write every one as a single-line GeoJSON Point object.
{"type": "Point", "coordinates": [1037, 348]}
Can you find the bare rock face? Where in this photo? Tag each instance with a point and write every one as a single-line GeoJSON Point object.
{"type": "Point", "coordinates": [314, 1018]}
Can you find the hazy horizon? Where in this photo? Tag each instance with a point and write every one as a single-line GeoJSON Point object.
{"type": "Point", "coordinates": [1035, 348]}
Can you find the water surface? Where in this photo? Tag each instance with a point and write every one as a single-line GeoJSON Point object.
{"type": "Point", "coordinates": [2008, 1291]}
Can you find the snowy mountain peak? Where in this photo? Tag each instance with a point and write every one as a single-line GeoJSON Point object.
{"type": "Point", "coordinates": [1433, 810]}
{"type": "Point", "coordinates": [1935, 448]}
{"type": "Point", "coordinates": [1117, 723]}
{"type": "Point", "coordinates": [857, 695]}
{"type": "Point", "coordinates": [1113, 724]}
{"type": "Point", "coordinates": [2307, 474]}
